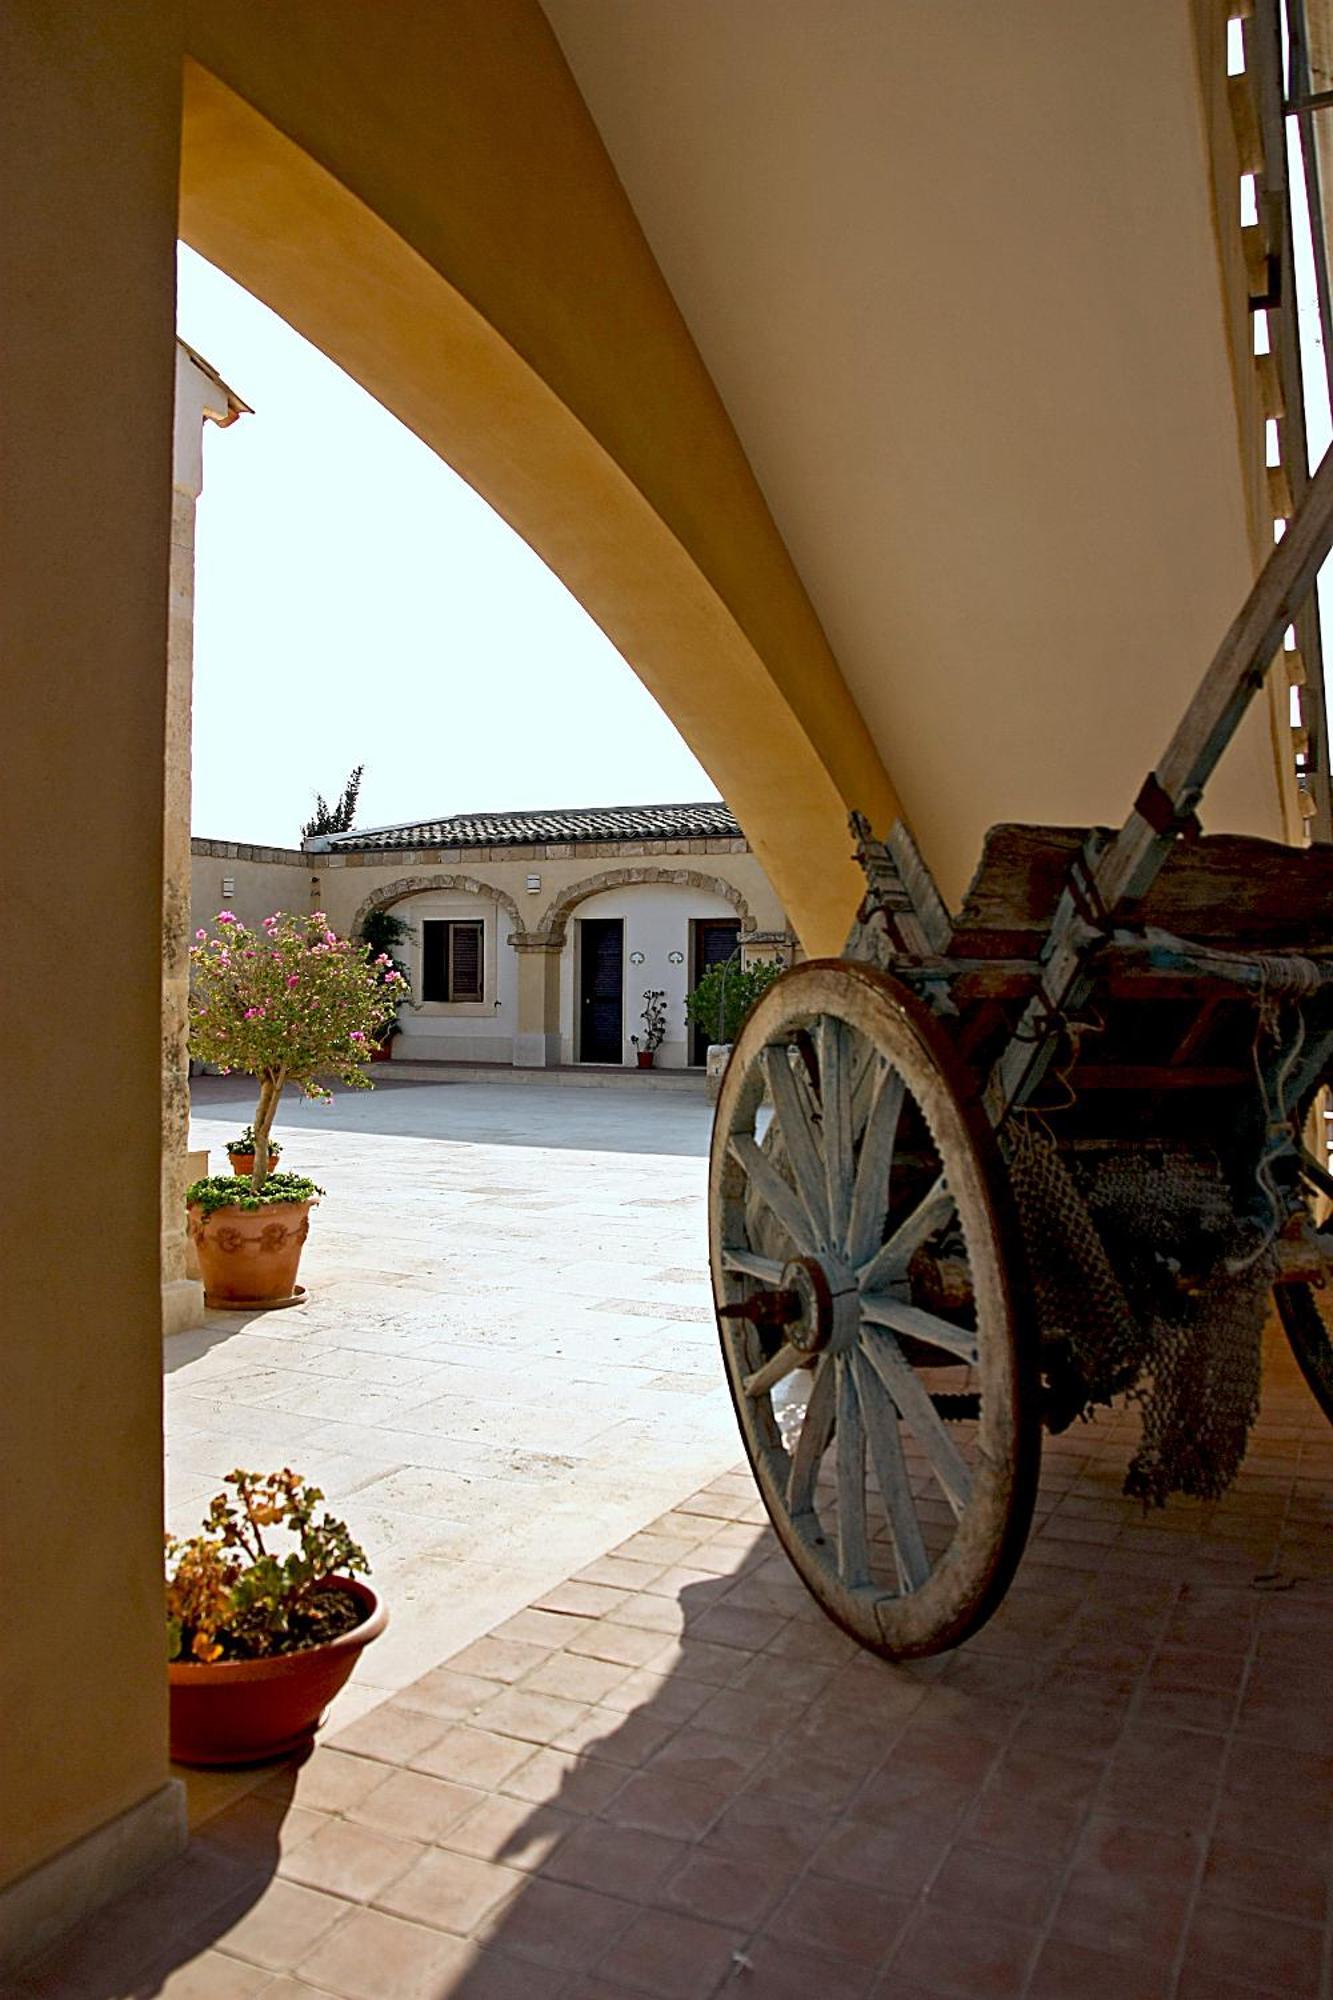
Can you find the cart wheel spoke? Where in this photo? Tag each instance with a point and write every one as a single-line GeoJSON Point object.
{"type": "Point", "coordinates": [785, 1362]}
{"type": "Point", "coordinates": [870, 1198]}
{"type": "Point", "coordinates": [835, 1078]}
{"type": "Point", "coordinates": [749, 1264]}
{"type": "Point", "coordinates": [769, 1185]}
{"type": "Point", "coordinates": [886, 1452]}
{"type": "Point", "coordinates": [892, 1260]}
{"type": "Point", "coordinates": [850, 1448]}
{"type": "Point", "coordinates": [797, 1131]}
{"type": "Point", "coordinates": [812, 1443]}
{"type": "Point", "coordinates": [914, 1406]}
{"type": "Point", "coordinates": [883, 1310]}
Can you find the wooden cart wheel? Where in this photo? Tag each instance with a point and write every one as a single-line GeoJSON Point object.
{"type": "Point", "coordinates": [870, 1301]}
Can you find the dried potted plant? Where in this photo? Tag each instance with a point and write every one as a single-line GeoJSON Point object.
{"type": "Point", "coordinates": [241, 1152]}
{"type": "Point", "coordinates": [654, 1027]}
{"type": "Point", "coordinates": [292, 1003]}
{"type": "Point", "coordinates": [260, 1638]}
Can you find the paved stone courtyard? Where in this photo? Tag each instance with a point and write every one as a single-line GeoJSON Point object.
{"type": "Point", "coordinates": [507, 1361]}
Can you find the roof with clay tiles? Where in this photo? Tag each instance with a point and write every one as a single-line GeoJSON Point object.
{"type": "Point", "coordinates": [706, 821]}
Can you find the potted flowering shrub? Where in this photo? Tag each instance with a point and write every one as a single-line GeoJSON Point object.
{"type": "Point", "coordinates": [382, 933]}
{"type": "Point", "coordinates": [292, 1003]}
{"type": "Point", "coordinates": [654, 1027]}
{"type": "Point", "coordinates": [241, 1152]}
{"type": "Point", "coordinates": [260, 1638]}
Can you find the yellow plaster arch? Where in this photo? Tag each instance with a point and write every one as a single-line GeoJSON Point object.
{"type": "Point", "coordinates": [477, 267]}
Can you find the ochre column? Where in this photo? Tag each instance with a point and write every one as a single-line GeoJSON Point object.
{"type": "Point", "coordinates": [89, 145]}
{"type": "Point", "coordinates": [537, 1036]}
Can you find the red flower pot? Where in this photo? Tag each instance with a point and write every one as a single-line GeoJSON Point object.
{"type": "Point", "coordinates": [244, 1163]}
{"type": "Point", "coordinates": [645, 1058]}
{"type": "Point", "coordinates": [246, 1711]}
{"type": "Point", "coordinates": [249, 1256]}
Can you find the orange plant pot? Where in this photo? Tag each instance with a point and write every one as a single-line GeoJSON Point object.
{"type": "Point", "coordinates": [645, 1058]}
{"type": "Point", "coordinates": [250, 1256]}
{"type": "Point", "coordinates": [246, 1711]}
{"type": "Point", "coordinates": [244, 1163]}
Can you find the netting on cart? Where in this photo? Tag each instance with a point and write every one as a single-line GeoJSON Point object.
{"type": "Point", "coordinates": [1128, 1251]}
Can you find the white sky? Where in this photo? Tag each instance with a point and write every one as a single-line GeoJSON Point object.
{"type": "Point", "coordinates": [356, 602]}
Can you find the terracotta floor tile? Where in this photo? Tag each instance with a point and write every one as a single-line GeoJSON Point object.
{"type": "Point", "coordinates": [452, 1892]}
{"type": "Point", "coordinates": [699, 1660]}
{"type": "Point", "coordinates": [391, 1733]}
{"type": "Point", "coordinates": [350, 1860]}
{"type": "Point", "coordinates": [550, 1629]}
{"type": "Point", "coordinates": [415, 1806]}
{"type": "Point", "coordinates": [375, 1955]}
{"type": "Point", "coordinates": [1272, 1953]}
{"type": "Point", "coordinates": [617, 1860]}
{"type": "Point", "coordinates": [673, 1957]}
{"type": "Point", "coordinates": [1254, 1878]}
{"type": "Point", "coordinates": [1130, 1914]}
{"type": "Point", "coordinates": [575, 1677]}
{"type": "Point", "coordinates": [556, 1925]}
{"type": "Point", "coordinates": [842, 1918]}
{"type": "Point", "coordinates": [664, 1700]}
{"type": "Point", "coordinates": [608, 1738]}
{"type": "Point", "coordinates": [1013, 1887]}
{"type": "Point", "coordinates": [1066, 1970]}
{"type": "Point", "coordinates": [778, 1830]}
{"type": "Point", "coordinates": [522, 1836]}
{"type": "Point", "coordinates": [531, 1717]}
{"type": "Point", "coordinates": [973, 1956]}
{"type": "Point", "coordinates": [446, 1692]}
{"type": "Point", "coordinates": [723, 1889]}
{"type": "Point", "coordinates": [777, 1969]}
{"type": "Point", "coordinates": [258, 1829]}
{"type": "Point", "coordinates": [708, 1757]}
{"type": "Point", "coordinates": [502, 1660]}
{"type": "Point", "coordinates": [214, 1976]}
{"type": "Point", "coordinates": [584, 1600]}
{"type": "Point", "coordinates": [797, 1771]}
{"type": "Point", "coordinates": [622, 1645]}
{"type": "Point", "coordinates": [897, 1859]}
{"type": "Point", "coordinates": [282, 1925]}
{"type": "Point", "coordinates": [658, 1803]}
{"type": "Point", "coordinates": [557, 1777]}
{"type": "Point", "coordinates": [470, 1756]}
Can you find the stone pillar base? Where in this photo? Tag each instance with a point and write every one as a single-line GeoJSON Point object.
{"type": "Point", "coordinates": [182, 1306]}
{"type": "Point", "coordinates": [715, 1062]}
{"type": "Point", "coordinates": [536, 1051]}
{"type": "Point", "coordinates": [61, 1892]}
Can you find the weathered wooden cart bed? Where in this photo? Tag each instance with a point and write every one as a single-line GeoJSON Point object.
{"type": "Point", "coordinates": [982, 1174]}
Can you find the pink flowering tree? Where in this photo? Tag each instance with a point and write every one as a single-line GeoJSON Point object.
{"type": "Point", "coordinates": [290, 1003]}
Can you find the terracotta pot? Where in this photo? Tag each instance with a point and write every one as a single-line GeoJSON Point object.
{"type": "Point", "coordinates": [244, 1163]}
{"type": "Point", "coordinates": [381, 1052]}
{"type": "Point", "coordinates": [246, 1711]}
{"type": "Point", "coordinates": [646, 1058]}
{"type": "Point", "coordinates": [249, 1256]}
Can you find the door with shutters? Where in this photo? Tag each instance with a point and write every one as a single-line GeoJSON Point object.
{"type": "Point", "coordinates": [601, 1014]}
{"type": "Point", "coordinates": [712, 942]}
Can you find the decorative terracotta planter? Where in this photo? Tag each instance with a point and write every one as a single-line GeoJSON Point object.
{"type": "Point", "coordinates": [249, 1256]}
{"type": "Point", "coordinates": [246, 1711]}
{"type": "Point", "coordinates": [244, 1163]}
{"type": "Point", "coordinates": [646, 1058]}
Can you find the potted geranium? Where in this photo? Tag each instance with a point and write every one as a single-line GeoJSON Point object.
{"type": "Point", "coordinates": [292, 1003]}
{"type": "Point", "coordinates": [260, 1638]}
{"type": "Point", "coordinates": [382, 933]}
{"type": "Point", "coordinates": [241, 1152]}
{"type": "Point", "coordinates": [654, 1027]}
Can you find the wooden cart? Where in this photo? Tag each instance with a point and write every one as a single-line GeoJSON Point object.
{"type": "Point", "coordinates": [982, 1173]}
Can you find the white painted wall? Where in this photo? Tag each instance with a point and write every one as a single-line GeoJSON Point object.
{"type": "Point", "coordinates": [657, 918]}
{"type": "Point", "coordinates": [466, 1030]}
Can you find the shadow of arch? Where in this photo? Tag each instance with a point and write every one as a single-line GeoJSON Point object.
{"type": "Point", "coordinates": [420, 885]}
{"type": "Point", "coordinates": [553, 924]}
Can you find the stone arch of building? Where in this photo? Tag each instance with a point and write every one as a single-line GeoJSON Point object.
{"type": "Point", "coordinates": [556, 919]}
{"type": "Point", "coordinates": [419, 885]}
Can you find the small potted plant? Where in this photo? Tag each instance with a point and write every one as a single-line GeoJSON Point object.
{"type": "Point", "coordinates": [654, 1028]}
{"type": "Point", "coordinates": [241, 1152]}
{"type": "Point", "coordinates": [720, 1002]}
{"type": "Point", "coordinates": [260, 1638]}
{"type": "Point", "coordinates": [292, 1003]}
{"type": "Point", "coordinates": [382, 933]}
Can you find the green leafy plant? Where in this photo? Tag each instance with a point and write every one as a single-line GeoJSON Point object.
{"type": "Point", "coordinates": [232, 1597]}
{"type": "Point", "coordinates": [654, 1018]}
{"type": "Point", "coordinates": [227, 1191]}
{"type": "Point", "coordinates": [290, 1003]}
{"type": "Point", "coordinates": [725, 995]}
{"type": "Point", "coordinates": [246, 1143]}
{"type": "Point", "coordinates": [382, 933]}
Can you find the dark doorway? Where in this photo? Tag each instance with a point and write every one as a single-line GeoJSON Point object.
{"type": "Point", "coordinates": [602, 990]}
{"type": "Point", "coordinates": [712, 942]}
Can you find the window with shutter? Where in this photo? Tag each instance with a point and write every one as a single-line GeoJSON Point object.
{"type": "Point", "coordinates": [465, 956]}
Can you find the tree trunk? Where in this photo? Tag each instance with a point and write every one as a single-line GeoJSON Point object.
{"type": "Point", "coordinates": [270, 1092]}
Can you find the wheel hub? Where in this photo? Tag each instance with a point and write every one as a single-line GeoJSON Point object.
{"type": "Point", "coordinates": [825, 1300]}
